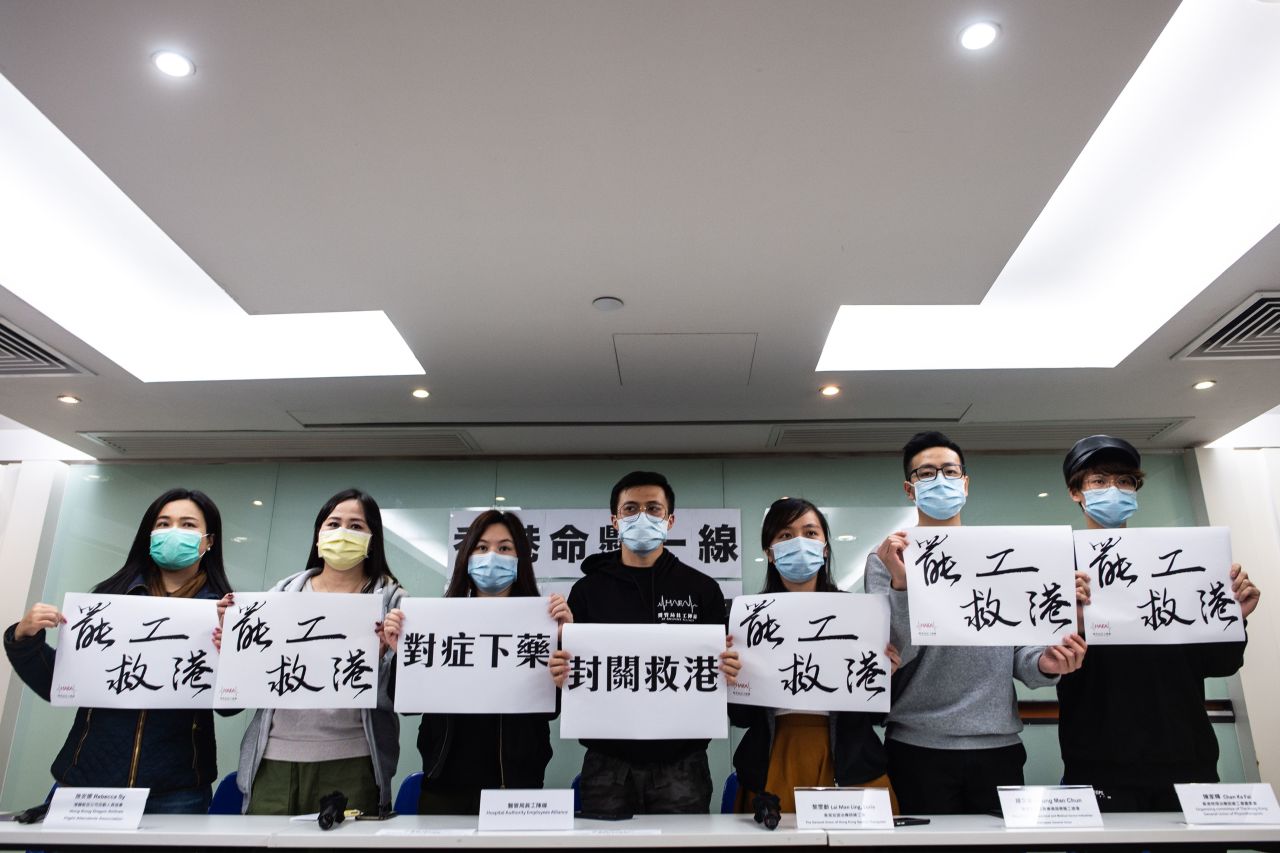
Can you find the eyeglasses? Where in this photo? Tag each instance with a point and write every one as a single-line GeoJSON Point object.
{"type": "Point", "coordinates": [629, 509]}
{"type": "Point", "coordinates": [1123, 482]}
{"type": "Point", "coordinates": [926, 473]}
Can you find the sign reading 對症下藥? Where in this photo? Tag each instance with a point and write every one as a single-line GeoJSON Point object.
{"type": "Point", "coordinates": [812, 651]}
{"type": "Point", "coordinates": [1159, 585]}
{"type": "Point", "coordinates": [990, 586]}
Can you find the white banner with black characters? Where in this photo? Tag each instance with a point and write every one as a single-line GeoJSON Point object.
{"type": "Point", "coordinates": [135, 651]}
{"type": "Point", "coordinates": [812, 651]}
{"type": "Point", "coordinates": [990, 586]}
{"type": "Point", "coordinates": [299, 650]}
{"type": "Point", "coordinates": [475, 656]}
{"type": "Point", "coordinates": [644, 682]}
{"type": "Point", "coordinates": [1159, 585]}
{"type": "Point", "coordinates": [709, 540]}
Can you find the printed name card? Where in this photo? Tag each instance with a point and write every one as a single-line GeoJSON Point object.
{"type": "Point", "coordinates": [843, 808]}
{"type": "Point", "coordinates": [1030, 806]}
{"type": "Point", "coordinates": [299, 650]}
{"type": "Point", "coordinates": [96, 808]}
{"type": "Point", "coordinates": [1159, 585]}
{"type": "Point", "coordinates": [990, 586]}
{"type": "Point", "coordinates": [534, 809]}
{"type": "Point", "coordinates": [812, 651]}
{"type": "Point", "coordinates": [644, 682]}
{"type": "Point", "coordinates": [135, 651]}
{"type": "Point", "coordinates": [475, 656]}
{"type": "Point", "coordinates": [1219, 804]}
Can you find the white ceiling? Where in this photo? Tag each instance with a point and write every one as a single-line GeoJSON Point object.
{"type": "Point", "coordinates": [482, 170]}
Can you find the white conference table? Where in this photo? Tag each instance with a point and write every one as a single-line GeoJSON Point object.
{"type": "Point", "coordinates": [653, 831]}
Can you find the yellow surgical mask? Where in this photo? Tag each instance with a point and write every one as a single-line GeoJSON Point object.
{"type": "Point", "coordinates": [343, 549]}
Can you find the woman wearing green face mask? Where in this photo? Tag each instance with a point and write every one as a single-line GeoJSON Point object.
{"type": "Point", "coordinates": [176, 552]}
{"type": "Point", "coordinates": [291, 758]}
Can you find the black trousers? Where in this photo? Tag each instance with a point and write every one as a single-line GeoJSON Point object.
{"type": "Point", "coordinates": [952, 781]}
{"type": "Point", "coordinates": [613, 786]}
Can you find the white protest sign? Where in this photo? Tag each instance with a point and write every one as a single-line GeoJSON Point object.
{"type": "Point", "coordinates": [135, 651]}
{"type": "Point", "coordinates": [843, 808]}
{"type": "Point", "coordinates": [299, 650]}
{"type": "Point", "coordinates": [990, 586]}
{"type": "Point", "coordinates": [1029, 806]}
{"type": "Point", "coordinates": [812, 651]}
{"type": "Point", "coordinates": [1159, 585]}
{"type": "Point", "coordinates": [523, 810]}
{"type": "Point", "coordinates": [475, 656]}
{"type": "Point", "coordinates": [96, 808]}
{"type": "Point", "coordinates": [644, 682]}
{"type": "Point", "coordinates": [1222, 804]}
{"type": "Point", "coordinates": [710, 540]}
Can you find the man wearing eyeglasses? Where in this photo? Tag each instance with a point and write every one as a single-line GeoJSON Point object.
{"type": "Point", "coordinates": [1131, 720]}
{"type": "Point", "coordinates": [952, 735]}
{"type": "Point", "coordinates": [643, 582]}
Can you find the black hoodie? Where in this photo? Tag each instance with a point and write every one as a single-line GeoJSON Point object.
{"type": "Point", "coordinates": [670, 591]}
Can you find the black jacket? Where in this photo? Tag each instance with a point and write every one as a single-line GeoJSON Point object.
{"type": "Point", "coordinates": [164, 750]}
{"type": "Point", "coordinates": [671, 592]}
{"type": "Point", "coordinates": [857, 754]}
{"type": "Point", "coordinates": [477, 751]}
{"type": "Point", "coordinates": [1134, 715]}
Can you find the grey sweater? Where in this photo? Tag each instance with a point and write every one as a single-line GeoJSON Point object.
{"type": "Point", "coordinates": [952, 697]}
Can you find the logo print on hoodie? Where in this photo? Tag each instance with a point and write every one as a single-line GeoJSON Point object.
{"type": "Point", "coordinates": [677, 609]}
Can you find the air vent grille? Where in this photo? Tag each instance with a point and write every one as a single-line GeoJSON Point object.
{"type": "Point", "coordinates": [1025, 435]}
{"type": "Point", "coordinates": [1251, 330]}
{"type": "Point", "coordinates": [234, 444]}
{"type": "Point", "coordinates": [23, 355]}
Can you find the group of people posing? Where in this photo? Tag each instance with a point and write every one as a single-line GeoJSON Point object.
{"type": "Point", "coordinates": [1132, 720]}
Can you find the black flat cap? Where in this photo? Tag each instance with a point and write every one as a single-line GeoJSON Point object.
{"type": "Point", "coordinates": [1086, 448]}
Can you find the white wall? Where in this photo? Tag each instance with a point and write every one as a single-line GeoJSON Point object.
{"type": "Point", "coordinates": [1242, 491]}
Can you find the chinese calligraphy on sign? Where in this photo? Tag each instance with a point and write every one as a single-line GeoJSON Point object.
{"type": "Point", "coordinates": [644, 682]}
{"type": "Point", "coordinates": [813, 651]}
{"type": "Point", "coordinates": [1159, 585]}
{"type": "Point", "coordinates": [135, 651]}
{"type": "Point", "coordinates": [990, 586]}
{"type": "Point", "coordinates": [475, 656]}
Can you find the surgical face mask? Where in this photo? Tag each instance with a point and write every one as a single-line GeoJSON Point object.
{"type": "Point", "coordinates": [642, 533]}
{"type": "Point", "coordinates": [1110, 507]}
{"type": "Point", "coordinates": [492, 573]}
{"type": "Point", "coordinates": [343, 549]}
{"type": "Point", "coordinates": [174, 548]}
{"type": "Point", "coordinates": [940, 498]}
{"type": "Point", "coordinates": [799, 559]}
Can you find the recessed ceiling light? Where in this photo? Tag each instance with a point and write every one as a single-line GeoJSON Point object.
{"type": "Point", "coordinates": [499, 498]}
{"type": "Point", "coordinates": [257, 503]}
{"type": "Point", "coordinates": [759, 559]}
{"type": "Point", "coordinates": [980, 35]}
{"type": "Point", "coordinates": [239, 538]}
{"type": "Point", "coordinates": [846, 538]}
{"type": "Point", "coordinates": [421, 393]}
{"type": "Point", "coordinates": [607, 303]}
{"type": "Point", "coordinates": [68, 399]}
{"type": "Point", "coordinates": [829, 390]}
{"type": "Point", "coordinates": [1043, 495]}
{"type": "Point", "coordinates": [93, 476]}
{"type": "Point", "coordinates": [173, 64]}
{"type": "Point", "coordinates": [1205, 384]}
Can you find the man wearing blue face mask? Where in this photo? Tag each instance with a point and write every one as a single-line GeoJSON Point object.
{"type": "Point", "coordinates": [642, 582]}
{"type": "Point", "coordinates": [1131, 720]}
{"type": "Point", "coordinates": [952, 735]}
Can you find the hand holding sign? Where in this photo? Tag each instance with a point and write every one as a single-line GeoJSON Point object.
{"type": "Point", "coordinates": [38, 618]}
{"type": "Point", "coordinates": [1243, 589]}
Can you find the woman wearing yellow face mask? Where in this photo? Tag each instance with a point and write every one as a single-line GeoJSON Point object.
{"type": "Point", "coordinates": [291, 758]}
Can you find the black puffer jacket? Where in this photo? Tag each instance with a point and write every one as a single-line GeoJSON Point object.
{"type": "Point", "coordinates": [477, 751]}
{"type": "Point", "coordinates": [164, 750]}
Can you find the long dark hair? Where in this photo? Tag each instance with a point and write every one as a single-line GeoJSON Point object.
{"type": "Point", "coordinates": [784, 512]}
{"type": "Point", "coordinates": [375, 562]}
{"type": "Point", "coordinates": [460, 585]}
{"type": "Point", "coordinates": [139, 561]}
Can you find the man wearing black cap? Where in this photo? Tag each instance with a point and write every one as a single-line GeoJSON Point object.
{"type": "Point", "coordinates": [1131, 719]}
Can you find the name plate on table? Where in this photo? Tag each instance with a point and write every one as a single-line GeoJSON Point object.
{"type": "Point", "coordinates": [1029, 806]}
{"type": "Point", "coordinates": [1218, 804]}
{"type": "Point", "coordinates": [523, 810]}
{"type": "Point", "coordinates": [97, 808]}
{"type": "Point", "coordinates": [843, 808]}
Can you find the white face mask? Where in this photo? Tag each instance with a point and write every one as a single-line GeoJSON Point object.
{"type": "Point", "coordinates": [642, 533]}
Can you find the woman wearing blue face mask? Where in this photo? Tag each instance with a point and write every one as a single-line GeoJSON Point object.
{"type": "Point", "coordinates": [784, 749]}
{"type": "Point", "coordinates": [462, 754]}
{"type": "Point", "coordinates": [176, 553]}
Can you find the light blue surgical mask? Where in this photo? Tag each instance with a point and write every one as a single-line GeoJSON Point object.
{"type": "Point", "coordinates": [940, 498]}
{"type": "Point", "coordinates": [492, 573]}
{"type": "Point", "coordinates": [642, 533]}
{"type": "Point", "coordinates": [174, 548]}
{"type": "Point", "coordinates": [1110, 507]}
{"type": "Point", "coordinates": [799, 559]}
